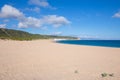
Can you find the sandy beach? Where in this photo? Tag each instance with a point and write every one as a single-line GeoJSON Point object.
{"type": "Point", "coordinates": [47, 60]}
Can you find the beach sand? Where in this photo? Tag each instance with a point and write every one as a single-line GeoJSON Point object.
{"type": "Point", "coordinates": [46, 60]}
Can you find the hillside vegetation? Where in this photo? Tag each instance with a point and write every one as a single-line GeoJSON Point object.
{"type": "Point", "coordinates": [22, 35]}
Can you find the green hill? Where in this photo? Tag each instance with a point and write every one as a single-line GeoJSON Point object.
{"type": "Point", "coordinates": [22, 35]}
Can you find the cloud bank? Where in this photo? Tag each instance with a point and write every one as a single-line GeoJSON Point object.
{"type": "Point", "coordinates": [8, 11]}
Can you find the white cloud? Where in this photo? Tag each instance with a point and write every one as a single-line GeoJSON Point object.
{"type": "Point", "coordinates": [2, 25]}
{"type": "Point", "coordinates": [116, 15]}
{"type": "Point", "coordinates": [44, 28]}
{"type": "Point", "coordinates": [30, 22]}
{"type": "Point", "coordinates": [57, 33]}
{"type": "Point", "coordinates": [36, 9]}
{"type": "Point", "coordinates": [55, 20]}
{"type": "Point", "coordinates": [84, 36]}
{"type": "Point", "coordinates": [8, 11]}
{"type": "Point", "coordinates": [6, 20]}
{"type": "Point", "coordinates": [42, 3]}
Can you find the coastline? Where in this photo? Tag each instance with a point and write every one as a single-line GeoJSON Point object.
{"type": "Point", "coordinates": [47, 60]}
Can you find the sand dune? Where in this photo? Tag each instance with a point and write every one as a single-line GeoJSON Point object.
{"type": "Point", "coordinates": [46, 60]}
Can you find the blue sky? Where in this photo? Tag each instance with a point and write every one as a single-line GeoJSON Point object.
{"type": "Point", "coordinates": [83, 18]}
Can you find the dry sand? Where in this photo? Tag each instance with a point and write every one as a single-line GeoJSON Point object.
{"type": "Point", "coordinates": [46, 60]}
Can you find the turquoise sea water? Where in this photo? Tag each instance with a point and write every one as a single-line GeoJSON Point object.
{"type": "Point", "coordinates": [102, 43]}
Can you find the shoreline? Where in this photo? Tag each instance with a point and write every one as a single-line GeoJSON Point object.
{"type": "Point", "coordinates": [47, 60]}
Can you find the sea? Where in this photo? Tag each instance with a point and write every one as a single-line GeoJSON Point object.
{"type": "Point", "coordinates": [101, 43]}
